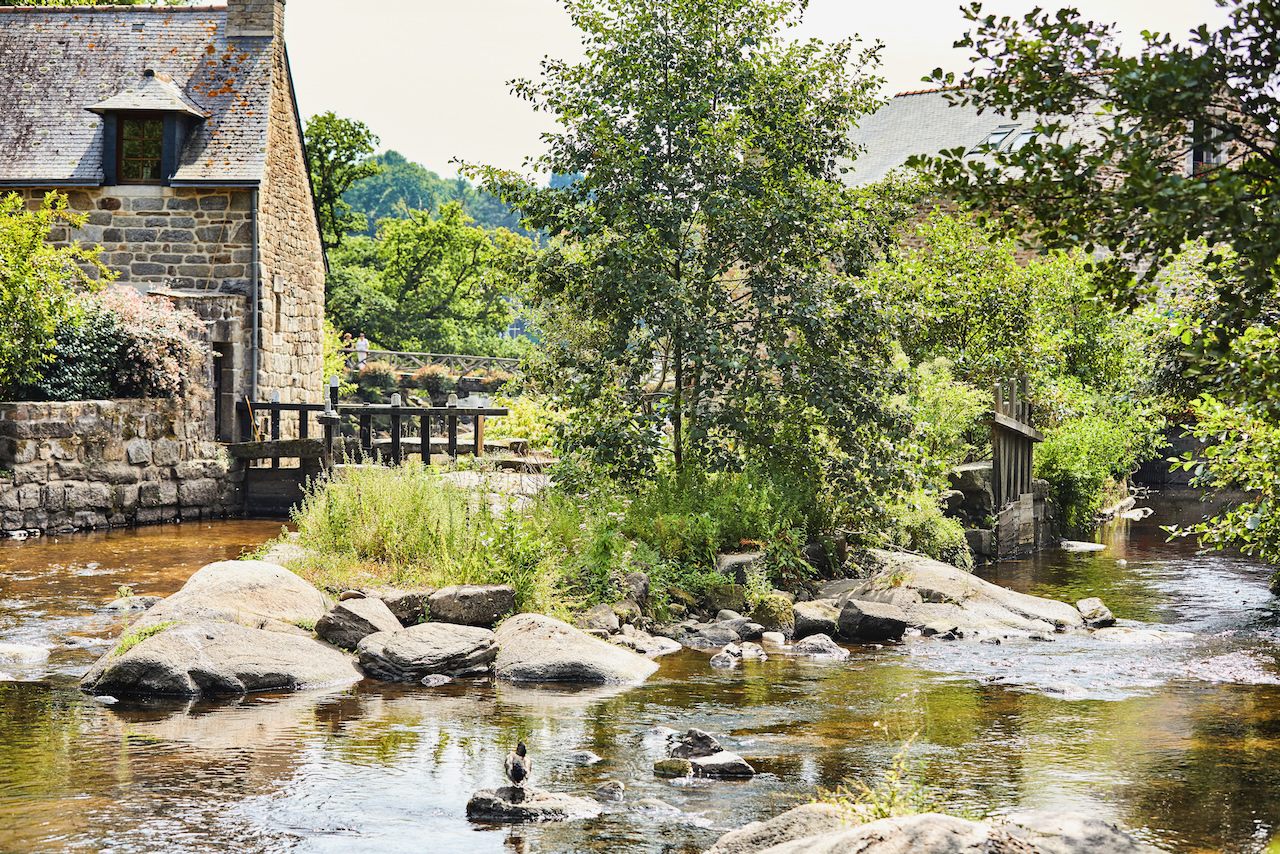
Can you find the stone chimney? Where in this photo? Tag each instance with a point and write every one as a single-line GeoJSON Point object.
{"type": "Point", "coordinates": [255, 18]}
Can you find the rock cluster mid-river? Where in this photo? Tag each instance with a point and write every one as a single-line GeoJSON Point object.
{"type": "Point", "coordinates": [1173, 733]}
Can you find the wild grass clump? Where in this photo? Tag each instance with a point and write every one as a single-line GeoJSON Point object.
{"type": "Point", "coordinates": [134, 637]}
{"type": "Point", "coordinates": [899, 792]}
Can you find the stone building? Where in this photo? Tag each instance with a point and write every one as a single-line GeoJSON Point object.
{"type": "Point", "coordinates": [175, 129]}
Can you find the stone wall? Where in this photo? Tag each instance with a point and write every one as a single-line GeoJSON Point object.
{"type": "Point", "coordinates": [170, 237]}
{"type": "Point", "coordinates": [97, 464]}
{"type": "Point", "coordinates": [292, 259]}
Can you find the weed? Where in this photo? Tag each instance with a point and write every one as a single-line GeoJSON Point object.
{"type": "Point", "coordinates": [124, 591]}
{"type": "Point", "coordinates": [898, 793]}
{"type": "Point", "coordinates": [136, 636]}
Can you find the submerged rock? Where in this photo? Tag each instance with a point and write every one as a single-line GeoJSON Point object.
{"type": "Point", "coordinates": [1096, 615]}
{"type": "Point", "coordinates": [472, 604]}
{"type": "Point", "coordinates": [514, 805]}
{"type": "Point", "coordinates": [820, 646]}
{"type": "Point", "coordinates": [798, 823]}
{"type": "Point", "coordinates": [610, 790]}
{"type": "Point", "coordinates": [408, 655]}
{"type": "Point", "coordinates": [537, 648]}
{"type": "Point", "coordinates": [353, 620]}
{"type": "Point", "coordinates": [214, 658]}
{"type": "Point", "coordinates": [725, 660]}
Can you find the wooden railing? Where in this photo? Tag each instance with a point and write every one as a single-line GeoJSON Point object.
{"type": "Point", "coordinates": [262, 422]}
{"type": "Point", "coordinates": [408, 363]}
{"type": "Point", "coordinates": [1013, 442]}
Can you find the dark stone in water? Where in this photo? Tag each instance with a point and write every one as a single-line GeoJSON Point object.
{"type": "Point", "coordinates": [693, 743]}
{"type": "Point", "coordinates": [515, 805]}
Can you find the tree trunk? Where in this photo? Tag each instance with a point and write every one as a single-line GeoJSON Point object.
{"type": "Point", "coordinates": [677, 416]}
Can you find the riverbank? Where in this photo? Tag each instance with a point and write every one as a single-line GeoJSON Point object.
{"type": "Point", "coordinates": [1173, 745]}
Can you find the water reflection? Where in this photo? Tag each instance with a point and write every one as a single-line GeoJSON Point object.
{"type": "Point", "coordinates": [1190, 762]}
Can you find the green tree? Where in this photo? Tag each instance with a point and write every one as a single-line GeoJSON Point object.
{"type": "Point", "coordinates": [338, 150]}
{"type": "Point", "coordinates": [698, 282]}
{"type": "Point", "coordinates": [38, 282]}
{"type": "Point", "coordinates": [438, 283]}
{"type": "Point", "coordinates": [1182, 147]}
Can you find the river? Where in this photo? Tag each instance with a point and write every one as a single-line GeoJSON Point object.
{"type": "Point", "coordinates": [1176, 736]}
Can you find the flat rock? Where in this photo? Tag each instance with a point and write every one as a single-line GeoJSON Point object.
{"type": "Point", "coordinates": [537, 648]}
{"type": "Point", "coordinates": [872, 621]}
{"type": "Point", "coordinates": [352, 620]}
{"type": "Point", "coordinates": [251, 593]}
{"type": "Point", "coordinates": [934, 833]}
{"type": "Point", "coordinates": [722, 766]}
{"type": "Point", "coordinates": [601, 617]}
{"type": "Point", "coordinates": [409, 655]}
{"type": "Point", "coordinates": [820, 646]}
{"type": "Point", "coordinates": [774, 638]}
{"type": "Point", "coordinates": [798, 823]}
{"type": "Point", "coordinates": [514, 805]}
{"type": "Point", "coordinates": [819, 617]}
{"type": "Point", "coordinates": [650, 646]}
{"type": "Point", "coordinates": [216, 658]}
{"type": "Point", "coordinates": [472, 604]}
{"type": "Point", "coordinates": [130, 604]}
{"type": "Point", "coordinates": [932, 592]}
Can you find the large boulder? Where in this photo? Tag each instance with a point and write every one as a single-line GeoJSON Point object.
{"type": "Point", "coordinates": [352, 620]}
{"type": "Point", "coordinates": [798, 823]}
{"type": "Point", "coordinates": [409, 604]}
{"type": "Point", "coordinates": [537, 648]}
{"type": "Point", "coordinates": [214, 658]}
{"type": "Point", "coordinates": [251, 593]}
{"type": "Point", "coordinates": [408, 655]}
{"type": "Point", "coordinates": [472, 604]}
{"type": "Point", "coordinates": [820, 646]}
{"type": "Point", "coordinates": [514, 805]}
{"type": "Point", "coordinates": [774, 613]}
{"type": "Point", "coordinates": [234, 627]}
{"type": "Point", "coordinates": [724, 765]}
{"type": "Point", "coordinates": [932, 593]}
{"type": "Point", "coordinates": [872, 621]}
{"type": "Point", "coordinates": [819, 617]}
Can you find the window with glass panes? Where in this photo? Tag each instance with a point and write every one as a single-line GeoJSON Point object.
{"type": "Point", "coordinates": [141, 149]}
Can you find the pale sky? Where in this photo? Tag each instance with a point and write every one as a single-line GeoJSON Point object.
{"type": "Point", "coordinates": [430, 76]}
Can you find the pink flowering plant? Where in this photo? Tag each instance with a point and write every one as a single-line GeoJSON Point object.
{"type": "Point", "coordinates": [159, 346]}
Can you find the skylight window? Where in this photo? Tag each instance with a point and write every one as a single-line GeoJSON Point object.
{"type": "Point", "coordinates": [994, 139]}
{"type": "Point", "coordinates": [1022, 139]}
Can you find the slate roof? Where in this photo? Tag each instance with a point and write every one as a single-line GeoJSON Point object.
{"type": "Point", "coordinates": [153, 93]}
{"type": "Point", "coordinates": [57, 62]}
{"type": "Point", "coordinates": [923, 122]}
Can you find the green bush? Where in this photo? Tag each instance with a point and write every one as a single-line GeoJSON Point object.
{"type": "Point", "coordinates": [529, 417]}
{"type": "Point", "coordinates": [916, 523]}
{"type": "Point", "coordinates": [377, 381]}
{"type": "Point", "coordinates": [1084, 457]}
{"type": "Point", "coordinates": [947, 415]}
{"type": "Point", "coordinates": [435, 379]}
{"type": "Point", "coordinates": [85, 359]}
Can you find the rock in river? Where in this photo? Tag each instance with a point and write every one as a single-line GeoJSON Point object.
{"type": "Point", "coordinates": [724, 765]}
{"type": "Point", "coordinates": [1096, 615]}
{"type": "Point", "coordinates": [410, 654]}
{"type": "Point", "coordinates": [513, 805]}
{"type": "Point", "coordinates": [934, 833]}
{"type": "Point", "coordinates": [798, 823]}
{"type": "Point", "coordinates": [820, 617]}
{"type": "Point", "coordinates": [872, 621]}
{"type": "Point", "coordinates": [537, 648]}
{"type": "Point", "coordinates": [234, 627]}
{"type": "Point", "coordinates": [352, 620]}
{"type": "Point", "coordinates": [472, 604]}
{"type": "Point", "coordinates": [820, 646]}
{"type": "Point", "coordinates": [207, 657]}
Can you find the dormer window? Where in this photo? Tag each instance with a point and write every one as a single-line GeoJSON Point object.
{"type": "Point", "coordinates": [141, 149]}
{"type": "Point", "coordinates": [144, 129]}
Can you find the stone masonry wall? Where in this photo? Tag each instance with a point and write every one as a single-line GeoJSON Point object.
{"type": "Point", "coordinates": [292, 257]}
{"type": "Point", "coordinates": [171, 237]}
{"type": "Point", "coordinates": [94, 464]}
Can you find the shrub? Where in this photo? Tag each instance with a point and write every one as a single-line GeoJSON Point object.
{"type": "Point", "coordinates": [529, 417]}
{"type": "Point", "coordinates": [947, 417]}
{"type": "Point", "coordinates": [916, 523]}
{"type": "Point", "coordinates": [376, 381]}
{"type": "Point", "coordinates": [122, 344]}
{"type": "Point", "coordinates": [436, 379]}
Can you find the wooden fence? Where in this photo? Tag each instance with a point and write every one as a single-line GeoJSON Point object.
{"type": "Point", "coordinates": [1013, 442]}
{"type": "Point", "coordinates": [408, 430]}
{"type": "Point", "coordinates": [408, 363]}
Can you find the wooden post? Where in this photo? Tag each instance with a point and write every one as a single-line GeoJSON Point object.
{"type": "Point", "coordinates": [479, 438]}
{"type": "Point", "coordinates": [395, 429]}
{"type": "Point", "coordinates": [333, 392]}
{"type": "Point", "coordinates": [453, 436]}
{"type": "Point", "coordinates": [424, 436]}
{"type": "Point", "coordinates": [366, 435]}
{"type": "Point", "coordinates": [329, 421]}
{"type": "Point", "coordinates": [275, 425]}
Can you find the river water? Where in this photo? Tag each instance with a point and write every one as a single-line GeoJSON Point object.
{"type": "Point", "coordinates": [1174, 733]}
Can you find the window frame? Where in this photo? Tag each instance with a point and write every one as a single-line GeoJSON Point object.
{"type": "Point", "coordinates": [122, 121]}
